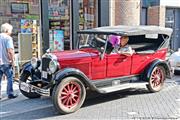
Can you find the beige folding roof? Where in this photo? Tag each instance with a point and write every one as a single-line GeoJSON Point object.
{"type": "Point", "coordinates": [128, 30]}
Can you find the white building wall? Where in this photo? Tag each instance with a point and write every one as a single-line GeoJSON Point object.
{"type": "Point", "coordinates": [174, 3]}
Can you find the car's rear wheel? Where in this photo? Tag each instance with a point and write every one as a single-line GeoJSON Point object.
{"type": "Point", "coordinates": [156, 80]}
{"type": "Point", "coordinates": [69, 95]}
{"type": "Point", "coordinates": [25, 78]}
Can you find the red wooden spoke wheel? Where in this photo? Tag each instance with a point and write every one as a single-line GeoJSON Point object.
{"type": "Point", "coordinates": [69, 95]}
{"type": "Point", "coordinates": [157, 78]}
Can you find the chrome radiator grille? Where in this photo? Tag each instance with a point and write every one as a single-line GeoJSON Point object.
{"type": "Point", "coordinates": [45, 63]}
{"type": "Point", "coordinates": [45, 66]}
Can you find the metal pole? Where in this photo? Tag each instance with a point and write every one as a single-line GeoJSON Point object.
{"type": "Point", "coordinates": [75, 22]}
{"type": "Point", "coordinates": [44, 23]}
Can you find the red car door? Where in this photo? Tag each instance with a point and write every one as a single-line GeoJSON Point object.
{"type": "Point", "coordinates": [118, 65]}
{"type": "Point", "coordinates": [98, 67]}
{"type": "Point", "coordinates": [140, 61]}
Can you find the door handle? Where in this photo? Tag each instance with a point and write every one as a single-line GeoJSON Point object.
{"type": "Point", "coordinates": [147, 57]}
{"type": "Point", "coordinates": [124, 60]}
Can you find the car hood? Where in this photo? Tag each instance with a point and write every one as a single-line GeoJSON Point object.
{"type": "Point", "coordinates": [73, 55]}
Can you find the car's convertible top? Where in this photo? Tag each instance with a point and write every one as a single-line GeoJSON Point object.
{"type": "Point", "coordinates": [128, 30]}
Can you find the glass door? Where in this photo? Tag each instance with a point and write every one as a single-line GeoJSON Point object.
{"type": "Point", "coordinates": [59, 24]}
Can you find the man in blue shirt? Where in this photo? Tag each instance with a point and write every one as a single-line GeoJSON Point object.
{"type": "Point", "coordinates": [7, 58]}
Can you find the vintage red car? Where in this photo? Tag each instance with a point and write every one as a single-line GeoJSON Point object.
{"type": "Point", "coordinates": [66, 75]}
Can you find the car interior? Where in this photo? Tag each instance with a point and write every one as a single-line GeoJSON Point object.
{"type": "Point", "coordinates": [139, 43]}
{"type": "Point", "coordinates": [142, 44]}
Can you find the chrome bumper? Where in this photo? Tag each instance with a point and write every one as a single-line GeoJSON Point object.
{"type": "Point", "coordinates": [31, 88]}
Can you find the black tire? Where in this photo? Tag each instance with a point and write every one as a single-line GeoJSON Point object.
{"type": "Point", "coordinates": [72, 93]}
{"type": "Point", "coordinates": [157, 78]}
{"type": "Point", "coordinates": [23, 78]}
{"type": "Point", "coordinates": [176, 72]}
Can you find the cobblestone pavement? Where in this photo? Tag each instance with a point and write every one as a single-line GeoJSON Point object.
{"type": "Point", "coordinates": [133, 104]}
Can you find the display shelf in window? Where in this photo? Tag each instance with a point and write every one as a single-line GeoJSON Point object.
{"type": "Point", "coordinates": [34, 45]}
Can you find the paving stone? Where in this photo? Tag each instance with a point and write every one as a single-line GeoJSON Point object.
{"type": "Point", "coordinates": [133, 104]}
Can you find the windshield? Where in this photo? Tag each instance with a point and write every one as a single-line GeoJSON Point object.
{"type": "Point", "coordinates": [95, 41]}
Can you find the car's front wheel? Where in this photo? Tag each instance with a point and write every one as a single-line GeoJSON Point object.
{"type": "Point", "coordinates": [24, 78]}
{"type": "Point", "coordinates": [156, 80]}
{"type": "Point", "coordinates": [69, 95]}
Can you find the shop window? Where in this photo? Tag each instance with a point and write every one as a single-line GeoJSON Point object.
{"type": "Point", "coordinates": [59, 22]}
{"type": "Point", "coordinates": [87, 14]}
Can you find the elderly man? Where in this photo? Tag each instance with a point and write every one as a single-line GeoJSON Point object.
{"type": "Point", "coordinates": [7, 58]}
{"type": "Point", "coordinates": [120, 44]}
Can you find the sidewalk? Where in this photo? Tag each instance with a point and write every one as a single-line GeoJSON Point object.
{"type": "Point", "coordinates": [4, 85]}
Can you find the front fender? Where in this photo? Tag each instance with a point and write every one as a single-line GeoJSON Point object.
{"type": "Point", "coordinates": [35, 74]}
{"type": "Point", "coordinates": [73, 72]}
{"type": "Point", "coordinates": [26, 67]}
{"type": "Point", "coordinates": [149, 69]}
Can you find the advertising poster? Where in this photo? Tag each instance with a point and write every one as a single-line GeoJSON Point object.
{"type": "Point", "coordinates": [56, 40]}
{"type": "Point", "coordinates": [28, 26]}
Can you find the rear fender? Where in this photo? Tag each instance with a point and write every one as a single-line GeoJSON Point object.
{"type": "Point", "coordinates": [149, 69]}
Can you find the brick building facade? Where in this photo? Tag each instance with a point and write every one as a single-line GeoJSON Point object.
{"type": "Point", "coordinates": [125, 12]}
{"type": "Point", "coordinates": [156, 16]}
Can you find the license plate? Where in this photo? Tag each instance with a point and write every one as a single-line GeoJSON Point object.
{"type": "Point", "coordinates": [25, 87]}
{"type": "Point", "coordinates": [44, 74]}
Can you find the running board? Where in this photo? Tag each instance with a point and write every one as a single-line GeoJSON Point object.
{"type": "Point", "coordinates": [120, 87]}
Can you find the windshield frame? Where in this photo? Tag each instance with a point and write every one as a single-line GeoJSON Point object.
{"type": "Point", "coordinates": [89, 42]}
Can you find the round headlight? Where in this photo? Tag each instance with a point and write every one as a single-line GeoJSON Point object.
{"type": "Point", "coordinates": [34, 62]}
{"type": "Point", "coordinates": [53, 66]}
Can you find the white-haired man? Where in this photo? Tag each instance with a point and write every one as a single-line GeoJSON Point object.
{"type": "Point", "coordinates": [7, 58]}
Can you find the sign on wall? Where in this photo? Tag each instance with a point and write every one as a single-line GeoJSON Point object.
{"type": "Point", "coordinates": [19, 7]}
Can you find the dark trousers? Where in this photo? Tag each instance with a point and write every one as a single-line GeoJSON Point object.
{"type": "Point", "coordinates": [8, 71]}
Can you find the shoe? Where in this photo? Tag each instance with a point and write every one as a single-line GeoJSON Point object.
{"type": "Point", "coordinates": [12, 96]}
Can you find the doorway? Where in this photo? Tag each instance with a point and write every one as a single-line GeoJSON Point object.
{"type": "Point", "coordinates": [173, 21]}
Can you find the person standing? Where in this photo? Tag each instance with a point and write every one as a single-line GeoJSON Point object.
{"type": "Point", "coordinates": [7, 58]}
